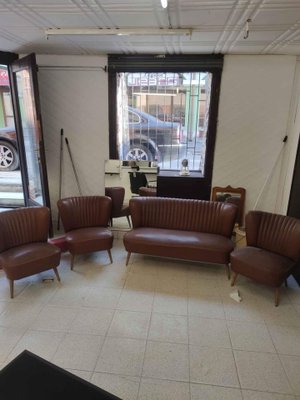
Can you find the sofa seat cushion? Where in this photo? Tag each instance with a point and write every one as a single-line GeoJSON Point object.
{"type": "Point", "coordinates": [261, 265]}
{"type": "Point", "coordinates": [29, 259]}
{"type": "Point", "coordinates": [88, 240]}
{"type": "Point", "coordinates": [187, 245]}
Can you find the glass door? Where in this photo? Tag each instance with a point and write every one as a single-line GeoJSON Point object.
{"type": "Point", "coordinates": [29, 129]}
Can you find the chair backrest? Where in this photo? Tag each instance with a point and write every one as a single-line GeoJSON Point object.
{"type": "Point", "coordinates": [279, 234]}
{"type": "Point", "coordinates": [23, 225]}
{"type": "Point", "coordinates": [84, 211]}
{"type": "Point", "coordinates": [137, 179]}
{"type": "Point", "coordinates": [117, 195]}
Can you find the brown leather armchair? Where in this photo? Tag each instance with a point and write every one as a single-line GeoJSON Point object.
{"type": "Point", "coordinates": [24, 250]}
{"type": "Point", "coordinates": [272, 251]}
{"type": "Point", "coordinates": [118, 209]}
{"type": "Point", "coordinates": [85, 220]}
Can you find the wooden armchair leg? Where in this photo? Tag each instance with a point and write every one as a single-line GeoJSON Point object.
{"type": "Point", "coordinates": [11, 287]}
{"type": "Point", "coordinates": [72, 261]}
{"type": "Point", "coordinates": [110, 257]}
{"type": "Point", "coordinates": [228, 270]}
{"type": "Point", "coordinates": [285, 283]}
{"type": "Point", "coordinates": [277, 296]}
{"type": "Point", "coordinates": [127, 258]}
{"type": "Point", "coordinates": [56, 273]}
{"type": "Point", "coordinates": [128, 219]}
{"type": "Point", "coordinates": [234, 278]}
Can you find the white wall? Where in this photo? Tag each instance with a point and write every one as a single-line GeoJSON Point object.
{"type": "Point", "coordinates": [73, 94]}
{"type": "Point", "coordinates": [253, 117]}
{"type": "Point", "coordinates": [256, 93]}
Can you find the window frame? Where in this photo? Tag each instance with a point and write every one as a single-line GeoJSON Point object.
{"type": "Point", "coordinates": [167, 63]}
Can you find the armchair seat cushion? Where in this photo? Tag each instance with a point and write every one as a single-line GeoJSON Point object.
{"type": "Point", "coordinates": [261, 265]}
{"type": "Point", "coordinates": [29, 259]}
{"type": "Point", "coordinates": [182, 244]}
{"type": "Point", "coordinates": [88, 240]}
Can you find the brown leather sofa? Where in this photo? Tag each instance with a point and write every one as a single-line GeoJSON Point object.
{"type": "Point", "coordinates": [272, 251]}
{"type": "Point", "coordinates": [24, 250]}
{"type": "Point", "coordinates": [179, 228]}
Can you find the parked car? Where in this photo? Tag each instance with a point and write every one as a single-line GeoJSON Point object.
{"type": "Point", "coordinates": [9, 157]}
{"type": "Point", "coordinates": [149, 138]}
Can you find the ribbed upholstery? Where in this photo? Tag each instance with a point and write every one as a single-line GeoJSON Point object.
{"type": "Point", "coordinates": [85, 211]}
{"type": "Point", "coordinates": [181, 228]}
{"type": "Point", "coordinates": [183, 214]}
{"type": "Point", "coordinates": [85, 220]}
{"type": "Point", "coordinates": [22, 226]}
{"type": "Point", "coordinates": [277, 233]}
{"type": "Point", "coordinates": [24, 250]}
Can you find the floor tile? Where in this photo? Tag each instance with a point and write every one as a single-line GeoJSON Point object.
{"type": "Point", "coordinates": [250, 336]}
{"type": "Point", "coordinates": [38, 292]}
{"type": "Point", "coordinates": [261, 371]}
{"type": "Point", "coordinates": [207, 392]}
{"type": "Point", "coordinates": [252, 395]}
{"type": "Point", "coordinates": [214, 366]}
{"type": "Point", "coordinates": [122, 356]}
{"type": "Point", "coordinates": [9, 337]}
{"type": "Point", "coordinates": [285, 314]}
{"type": "Point", "coordinates": [143, 282]}
{"type": "Point", "coordinates": [44, 344]}
{"type": "Point", "coordinates": [135, 301]}
{"type": "Point", "coordinates": [69, 296]}
{"type": "Point", "coordinates": [291, 366]}
{"type": "Point", "coordinates": [125, 387]}
{"type": "Point", "coordinates": [151, 389]}
{"type": "Point", "coordinates": [78, 352]}
{"type": "Point", "coordinates": [176, 285]}
{"type": "Point", "coordinates": [19, 315]}
{"type": "Point", "coordinates": [92, 320]}
{"type": "Point", "coordinates": [130, 324]}
{"type": "Point", "coordinates": [55, 318]}
{"type": "Point", "coordinates": [197, 286]}
{"type": "Point", "coordinates": [102, 297]}
{"type": "Point", "coordinates": [169, 328]}
{"type": "Point", "coordinates": [166, 361]}
{"type": "Point", "coordinates": [286, 339]}
{"type": "Point", "coordinates": [248, 310]}
{"type": "Point", "coordinates": [206, 306]}
{"type": "Point", "coordinates": [208, 332]}
{"type": "Point", "coordinates": [170, 304]}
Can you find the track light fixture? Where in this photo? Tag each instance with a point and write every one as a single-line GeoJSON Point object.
{"type": "Point", "coordinates": [119, 32]}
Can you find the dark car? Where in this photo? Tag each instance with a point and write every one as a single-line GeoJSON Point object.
{"type": "Point", "coordinates": [9, 157]}
{"type": "Point", "coordinates": [150, 139]}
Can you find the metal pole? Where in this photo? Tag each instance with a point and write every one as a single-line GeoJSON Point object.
{"type": "Point", "coordinates": [60, 173]}
{"type": "Point", "coordinates": [73, 166]}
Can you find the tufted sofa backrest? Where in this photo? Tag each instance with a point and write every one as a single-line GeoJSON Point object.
{"type": "Point", "coordinates": [84, 211]}
{"type": "Point", "coordinates": [277, 233]}
{"type": "Point", "coordinates": [23, 225]}
{"type": "Point", "coordinates": [183, 214]}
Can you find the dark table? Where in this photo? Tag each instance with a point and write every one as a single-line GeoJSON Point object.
{"type": "Point", "coordinates": [29, 377]}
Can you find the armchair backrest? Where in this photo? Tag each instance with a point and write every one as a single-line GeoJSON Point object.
{"type": "Point", "coordinates": [23, 225]}
{"type": "Point", "coordinates": [117, 195]}
{"type": "Point", "coordinates": [84, 211]}
{"type": "Point", "coordinates": [279, 234]}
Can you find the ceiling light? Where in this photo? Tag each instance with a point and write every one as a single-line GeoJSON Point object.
{"type": "Point", "coordinates": [119, 32]}
{"type": "Point", "coordinates": [164, 3]}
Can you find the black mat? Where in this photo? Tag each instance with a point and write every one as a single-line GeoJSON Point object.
{"type": "Point", "coordinates": [29, 377]}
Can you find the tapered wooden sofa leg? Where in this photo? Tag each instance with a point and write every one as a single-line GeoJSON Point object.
{"type": "Point", "coordinates": [72, 261]}
{"type": "Point", "coordinates": [56, 273]}
{"type": "Point", "coordinates": [110, 256]}
{"type": "Point", "coordinates": [127, 258]}
{"type": "Point", "coordinates": [228, 270]}
{"type": "Point", "coordinates": [11, 287]}
{"type": "Point", "coordinates": [234, 278]}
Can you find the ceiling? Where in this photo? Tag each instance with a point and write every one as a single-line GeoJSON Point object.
{"type": "Point", "coordinates": [218, 26]}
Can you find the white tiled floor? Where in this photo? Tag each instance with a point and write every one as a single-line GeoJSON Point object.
{"type": "Point", "coordinates": [158, 329]}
